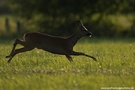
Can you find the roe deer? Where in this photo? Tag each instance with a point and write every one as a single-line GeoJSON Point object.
{"type": "Point", "coordinates": [56, 45]}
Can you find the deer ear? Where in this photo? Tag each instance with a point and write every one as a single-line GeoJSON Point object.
{"type": "Point", "coordinates": [79, 23]}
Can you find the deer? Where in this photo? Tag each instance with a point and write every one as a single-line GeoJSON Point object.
{"type": "Point", "coordinates": [53, 44]}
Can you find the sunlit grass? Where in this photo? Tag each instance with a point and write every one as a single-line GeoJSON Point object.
{"type": "Point", "coordinates": [37, 69]}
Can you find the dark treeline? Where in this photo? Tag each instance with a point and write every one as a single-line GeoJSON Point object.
{"type": "Point", "coordinates": [57, 16]}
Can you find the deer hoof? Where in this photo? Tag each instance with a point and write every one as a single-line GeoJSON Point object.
{"type": "Point", "coordinates": [94, 59]}
{"type": "Point", "coordinates": [7, 56]}
{"type": "Point", "coordinates": [9, 60]}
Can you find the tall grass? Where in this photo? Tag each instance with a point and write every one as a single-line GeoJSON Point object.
{"type": "Point", "coordinates": [37, 69]}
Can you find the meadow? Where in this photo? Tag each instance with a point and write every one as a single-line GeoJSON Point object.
{"type": "Point", "coordinates": [40, 70]}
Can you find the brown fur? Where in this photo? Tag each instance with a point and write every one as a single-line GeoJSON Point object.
{"type": "Point", "coordinates": [56, 45]}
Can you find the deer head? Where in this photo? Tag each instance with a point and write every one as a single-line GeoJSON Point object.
{"type": "Point", "coordinates": [83, 30]}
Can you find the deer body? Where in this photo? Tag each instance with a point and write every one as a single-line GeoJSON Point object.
{"type": "Point", "coordinates": [48, 43]}
{"type": "Point", "coordinates": [56, 45]}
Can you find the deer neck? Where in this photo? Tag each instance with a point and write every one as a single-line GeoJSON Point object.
{"type": "Point", "coordinates": [74, 38]}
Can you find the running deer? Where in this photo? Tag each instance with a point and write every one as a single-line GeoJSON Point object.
{"type": "Point", "coordinates": [56, 45]}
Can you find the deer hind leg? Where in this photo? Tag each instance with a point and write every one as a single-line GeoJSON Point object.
{"type": "Point", "coordinates": [83, 54]}
{"type": "Point", "coordinates": [17, 41]}
{"type": "Point", "coordinates": [24, 49]}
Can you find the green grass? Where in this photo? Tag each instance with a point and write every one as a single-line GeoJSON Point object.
{"type": "Point", "coordinates": [39, 70]}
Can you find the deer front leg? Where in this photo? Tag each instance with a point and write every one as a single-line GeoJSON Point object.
{"type": "Point", "coordinates": [69, 58]}
{"type": "Point", "coordinates": [83, 54]}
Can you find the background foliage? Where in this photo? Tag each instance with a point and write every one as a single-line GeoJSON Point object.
{"type": "Point", "coordinates": [102, 17]}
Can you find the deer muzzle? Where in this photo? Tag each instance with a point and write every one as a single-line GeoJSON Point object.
{"type": "Point", "coordinates": [89, 34]}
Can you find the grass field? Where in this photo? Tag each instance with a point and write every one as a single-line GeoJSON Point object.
{"type": "Point", "coordinates": [39, 70]}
